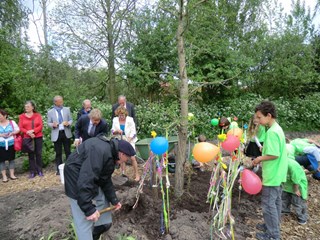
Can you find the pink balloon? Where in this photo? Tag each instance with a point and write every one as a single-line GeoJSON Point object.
{"type": "Point", "coordinates": [231, 143]}
{"type": "Point", "coordinates": [250, 181]}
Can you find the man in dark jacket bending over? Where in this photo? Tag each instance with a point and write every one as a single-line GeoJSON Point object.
{"type": "Point", "coordinates": [88, 184]}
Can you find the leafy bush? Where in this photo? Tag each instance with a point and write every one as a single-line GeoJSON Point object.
{"type": "Point", "coordinates": [294, 115]}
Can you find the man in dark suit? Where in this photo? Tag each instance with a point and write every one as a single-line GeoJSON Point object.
{"type": "Point", "coordinates": [86, 108]}
{"type": "Point", "coordinates": [89, 126]}
{"type": "Point", "coordinates": [122, 101]}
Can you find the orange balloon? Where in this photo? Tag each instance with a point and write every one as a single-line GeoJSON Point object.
{"type": "Point", "coordinates": [205, 152]}
{"type": "Point", "coordinates": [235, 132]}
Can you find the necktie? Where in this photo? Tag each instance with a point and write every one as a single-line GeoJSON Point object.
{"type": "Point", "coordinates": [92, 130]}
{"type": "Point", "coordinates": [60, 118]}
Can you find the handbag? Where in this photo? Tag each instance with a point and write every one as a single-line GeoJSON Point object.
{"type": "Point", "coordinates": [17, 140]}
{"type": "Point", "coordinates": [27, 145]}
{"type": "Point", "coordinates": [17, 143]}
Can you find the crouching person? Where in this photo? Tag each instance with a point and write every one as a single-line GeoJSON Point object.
{"type": "Point", "coordinates": [88, 183]}
{"type": "Point", "coordinates": [295, 192]}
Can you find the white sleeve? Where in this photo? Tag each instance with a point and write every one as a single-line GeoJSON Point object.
{"type": "Point", "coordinates": [257, 141]}
{"type": "Point", "coordinates": [15, 126]}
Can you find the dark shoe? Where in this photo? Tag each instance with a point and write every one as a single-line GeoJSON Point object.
{"type": "Point", "coordinates": [265, 236]}
{"type": "Point", "coordinates": [57, 173]}
{"type": "Point", "coordinates": [98, 230]}
{"type": "Point", "coordinates": [32, 175]}
{"type": "Point", "coordinates": [302, 222]}
{"type": "Point", "coordinates": [13, 178]}
{"type": "Point", "coordinates": [41, 174]}
{"type": "Point", "coordinates": [261, 227]}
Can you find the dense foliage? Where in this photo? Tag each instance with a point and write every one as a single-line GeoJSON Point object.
{"type": "Point", "coordinates": [238, 53]}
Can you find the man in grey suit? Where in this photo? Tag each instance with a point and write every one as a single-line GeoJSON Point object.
{"type": "Point", "coordinates": [60, 120]}
{"type": "Point", "coordinates": [122, 101]}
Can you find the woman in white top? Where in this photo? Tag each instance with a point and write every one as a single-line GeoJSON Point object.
{"type": "Point", "coordinates": [123, 127]}
{"type": "Point", "coordinates": [8, 128]}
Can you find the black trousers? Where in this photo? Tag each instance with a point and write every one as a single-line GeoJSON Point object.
{"type": "Point", "coordinates": [35, 158]}
{"type": "Point", "coordinates": [66, 143]}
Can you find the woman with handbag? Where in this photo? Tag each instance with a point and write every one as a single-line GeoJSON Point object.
{"type": "Point", "coordinates": [30, 123]}
{"type": "Point", "coordinates": [8, 128]}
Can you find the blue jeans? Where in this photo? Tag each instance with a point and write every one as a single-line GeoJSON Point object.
{"type": "Point", "coordinates": [271, 208]}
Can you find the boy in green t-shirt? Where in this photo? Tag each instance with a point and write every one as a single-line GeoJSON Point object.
{"type": "Point", "coordinates": [295, 190]}
{"type": "Point", "coordinates": [304, 146]}
{"type": "Point", "coordinates": [274, 171]}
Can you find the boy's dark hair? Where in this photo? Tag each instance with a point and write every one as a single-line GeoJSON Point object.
{"type": "Point", "coordinates": [224, 122]}
{"type": "Point", "coordinates": [202, 138]}
{"type": "Point", "coordinates": [266, 107]}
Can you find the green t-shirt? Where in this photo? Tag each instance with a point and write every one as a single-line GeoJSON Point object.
{"type": "Point", "coordinates": [290, 151]}
{"type": "Point", "coordinates": [299, 144]}
{"type": "Point", "coordinates": [261, 134]}
{"type": "Point", "coordinates": [296, 175]}
{"type": "Point", "coordinates": [274, 172]}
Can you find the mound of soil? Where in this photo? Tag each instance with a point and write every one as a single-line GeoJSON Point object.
{"type": "Point", "coordinates": [32, 209]}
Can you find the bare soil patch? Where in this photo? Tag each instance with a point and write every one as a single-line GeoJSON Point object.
{"type": "Point", "coordinates": [31, 209]}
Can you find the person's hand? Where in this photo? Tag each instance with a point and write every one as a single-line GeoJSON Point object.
{"type": "Point", "coordinates": [297, 192]}
{"type": "Point", "coordinates": [256, 161]}
{"type": "Point", "coordinates": [54, 124]}
{"type": "Point", "coordinates": [65, 123]}
{"type": "Point", "coordinates": [118, 206]}
{"type": "Point", "coordinates": [29, 132]}
{"type": "Point", "coordinates": [76, 142]}
{"type": "Point", "coordinates": [137, 179]}
{"type": "Point", "coordinates": [94, 217]}
{"type": "Point", "coordinates": [32, 135]}
{"type": "Point", "coordinates": [5, 135]}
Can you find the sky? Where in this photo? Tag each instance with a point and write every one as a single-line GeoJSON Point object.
{"type": "Point", "coordinates": [36, 20]}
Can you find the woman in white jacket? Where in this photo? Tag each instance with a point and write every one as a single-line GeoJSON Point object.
{"type": "Point", "coordinates": [123, 127]}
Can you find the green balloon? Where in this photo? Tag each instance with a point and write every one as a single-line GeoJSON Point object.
{"type": "Point", "coordinates": [214, 122]}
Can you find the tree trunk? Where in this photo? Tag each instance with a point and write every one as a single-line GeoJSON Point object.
{"type": "Point", "coordinates": [45, 46]}
{"type": "Point", "coordinates": [111, 87]}
{"type": "Point", "coordinates": [45, 22]}
{"type": "Point", "coordinates": [183, 125]}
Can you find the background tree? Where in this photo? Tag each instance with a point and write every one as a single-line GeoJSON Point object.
{"type": "Point", "coordinates": [95, 30]}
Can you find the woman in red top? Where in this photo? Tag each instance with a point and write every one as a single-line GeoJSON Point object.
{"type": "Point", "coordinates": [30, 124]}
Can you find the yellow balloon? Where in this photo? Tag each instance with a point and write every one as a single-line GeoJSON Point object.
{"type": "Point", "coordinates": [205, 152]}
{"type": "Point", "coordinates": [235, 132]}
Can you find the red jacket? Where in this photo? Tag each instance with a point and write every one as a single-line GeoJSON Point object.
{"type": "Point", "coordinates": [25, 124]}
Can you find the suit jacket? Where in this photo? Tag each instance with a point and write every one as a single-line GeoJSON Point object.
{"type": "Point", "coordinates": [130, 109]}
{"type": "Point", "coordinates": [82, 125]}
{"type": "Point", "coordinates": [129, 129]}
{"type": "Point", "coordinates": [53, 117]}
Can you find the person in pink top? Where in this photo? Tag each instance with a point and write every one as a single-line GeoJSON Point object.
{"type": "Point", "coordinates": [30, 124]}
